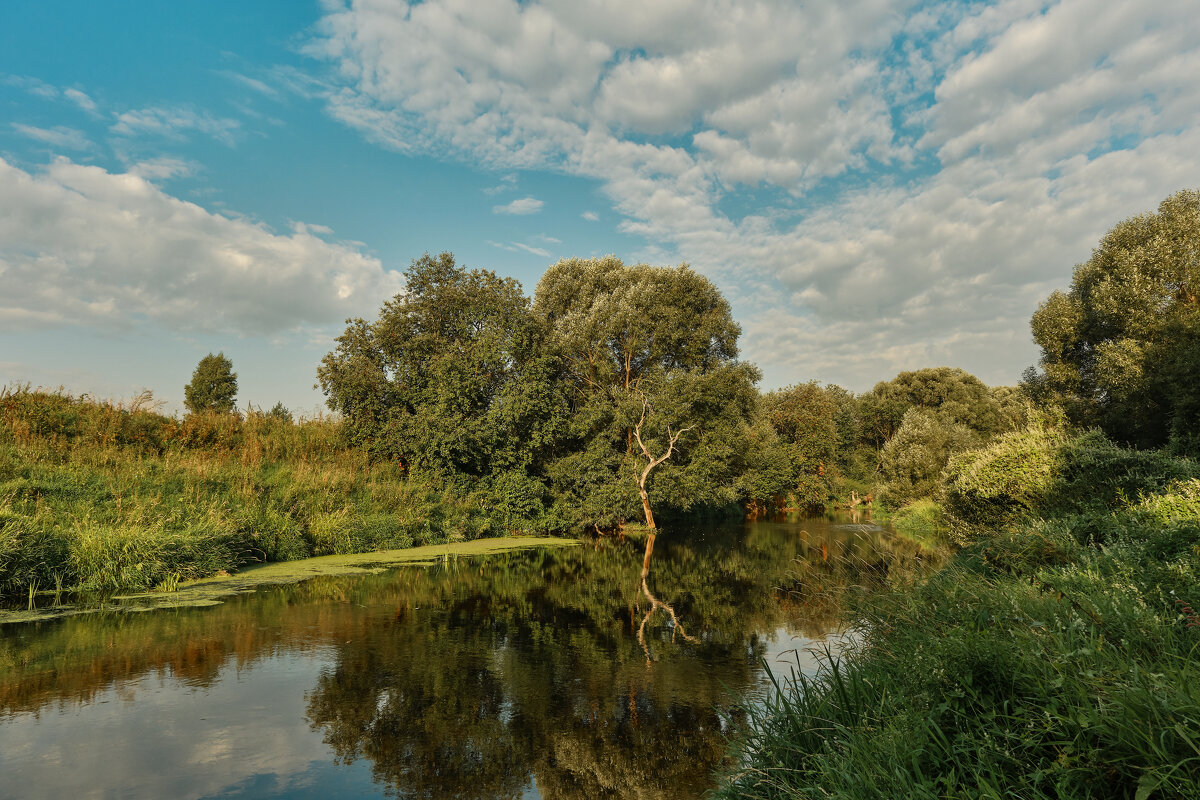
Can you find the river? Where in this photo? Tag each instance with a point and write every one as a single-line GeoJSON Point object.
{"type": "Point", "coordinates": [539, 673]}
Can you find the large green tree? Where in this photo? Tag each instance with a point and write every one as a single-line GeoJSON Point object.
{"type": "Point", "coordinates": [452, 379]}
{"type": "Point", "coordinates": [1119, 348]}
{"type": "Point", "coordinates": [953, 394]}
{"type": "Point", "coordinates": [636, 336]}
{"type": "Point", "coordinates": [920, 418]}
{"type": "Point", "coordinates": [805, 419]}
{"type": "Point", "coordinates": [213, 386]}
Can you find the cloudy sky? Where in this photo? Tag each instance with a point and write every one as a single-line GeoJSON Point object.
{"type": "Point", "coordinates": [876, 185]}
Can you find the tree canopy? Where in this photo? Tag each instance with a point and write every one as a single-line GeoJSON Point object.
{"type": "Point", "coordinates": [804, 418]}
{"type": "Point", "coordinates": [619, 327]}
{"type": "Point", "coordinates": [213, 386]}
{"type": "Point", "coordinates": [1119, 349]}
{"type": "Point", "coordinates": [631, 336]}
{"type": "Point", "coordinates": [451, 378]}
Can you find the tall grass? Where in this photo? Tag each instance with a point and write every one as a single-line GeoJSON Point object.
{"type": "Point", "coordinates": [103, 496]}
{"type": "Point", "coordinates": [1055, 657]}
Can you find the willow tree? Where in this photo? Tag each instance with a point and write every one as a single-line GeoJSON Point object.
{"type": "Point", "coordinates": [452, 378]}
{"type": "Point", "coordinates": [1119, 349]}
{"type": "Point", "coordinates": [627, 335]}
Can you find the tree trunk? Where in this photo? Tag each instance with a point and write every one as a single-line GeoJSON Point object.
{"type": "Point", "coordinates": [646, 506]}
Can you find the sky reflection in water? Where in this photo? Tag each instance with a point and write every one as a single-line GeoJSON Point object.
{"type": "Point", "coordinates": [518, 675]}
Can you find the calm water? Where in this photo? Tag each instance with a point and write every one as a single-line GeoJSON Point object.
{"type": "Point", "coordinates": [514, 676]}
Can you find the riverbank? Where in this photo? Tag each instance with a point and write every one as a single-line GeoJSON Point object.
{"type": "Point", "coordinates": [104, 498]}
{"type": "Point", "coordinates": [1056, 655]}
{"type": "Point", "coordinates": [214, 589]}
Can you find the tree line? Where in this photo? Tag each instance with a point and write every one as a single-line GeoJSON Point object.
{"type": "Point", "coordinates": [550, 409]}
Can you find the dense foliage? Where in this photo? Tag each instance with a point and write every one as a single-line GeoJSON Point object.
{"type": "Point", "coordinates": [102, 497]}
{"type": "Point", "coordinates": [1055, 656]}
{"type": "Point", "coordinates": [452, 379]}
{"type": "Point", "coordinates": [213, 387]}
{"type": "Point", "coordinates": [636, 336]}
{"type": "Point", "coordinates": [1121, 349]}
{"type": "Point", "coordinates": [804, 418]}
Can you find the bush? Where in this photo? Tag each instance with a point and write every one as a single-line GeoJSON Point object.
{"type": "Point", "coordinates": [912, 461]}
{"type": "Point", "coordinates": [922, 520]}
{"type": "Point", "coordinates": [1031, 667]}
{"type": "Point", "coordinates": [1043, 471]}
{"type": "Point", "coordinates": [1008, 479]}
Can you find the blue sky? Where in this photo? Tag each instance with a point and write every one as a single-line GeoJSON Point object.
{"type": "Point", "coordinates": [875, 185]}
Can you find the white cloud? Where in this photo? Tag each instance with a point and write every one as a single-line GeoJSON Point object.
{"type": "Point", "coordinates": [590, 216]}
{"type": "Point", "coordinates": [82, 246]}
{"type": "Point", "coordinates": [923, 174]}
{"type": "Point", "coordinates": [253, 84]}
{"type": "Point", "coordinates": [518, 247]}
{"type": "Point", "coordinates": [520, 206]}
{"type": "Point", "coordinates": [507, 183]}
{"type": "Point", "coordinates": [58, 136]}
{"type": "Point", "coordinates": [175, 123]}
{"type": "Point", "coordinates": [163, 168]}
{"type": "Point", "coordinates": [34, 86]}
{"type": "Point", "coordinates": [80, 99]}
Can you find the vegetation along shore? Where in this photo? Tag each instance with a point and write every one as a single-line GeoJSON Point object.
{"type": "Point", "coordinates": [1054, 652]}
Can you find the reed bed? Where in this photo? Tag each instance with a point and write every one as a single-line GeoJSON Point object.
{"type": "Point", "coordinates": [1055, 657]}
{"type": "Point", "coordinates": [102, 496]}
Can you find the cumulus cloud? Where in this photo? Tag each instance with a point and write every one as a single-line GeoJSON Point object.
{"type": "Point", "coordinates": [877, 185]}
{"type": "Point", "coordinates": [82, 246]}
{"type": "Point", "coordinates": [590, 216]}
{"type": "Point", "coordinates": [520, 206]}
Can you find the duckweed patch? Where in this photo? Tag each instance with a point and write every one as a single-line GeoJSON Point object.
{"type": "Point", "coordinates": [212, 590]}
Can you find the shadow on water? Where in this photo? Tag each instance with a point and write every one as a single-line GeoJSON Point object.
{"type": "Point", "coordinates": [557, 673]}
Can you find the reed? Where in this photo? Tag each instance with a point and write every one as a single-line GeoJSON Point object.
{"type": "Point", "coordinates": [1053, 658]}
{"type": "Point", "coordinates": [103, 496]}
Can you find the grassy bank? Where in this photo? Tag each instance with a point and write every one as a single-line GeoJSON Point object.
{"type": "Point", "coordinates": [102, 497]}
{"type": "Point", "coordinates": [1057, 655]}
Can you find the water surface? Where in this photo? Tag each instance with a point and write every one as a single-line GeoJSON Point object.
{"type": "Point", "coordinates": [543, 673]}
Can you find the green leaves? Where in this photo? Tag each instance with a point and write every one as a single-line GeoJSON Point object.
{"type": "Point", "coordinates": [1118, 349]}
{"type": "Point", "coordinates": [213, 386]}
{"type": "Point", "coordinates": [663, 334]}
{"type": "Point", "coordinates": [453, 378]}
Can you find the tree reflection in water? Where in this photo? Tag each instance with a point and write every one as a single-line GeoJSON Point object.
{"type": "Point", "coordinates": [477, 678]}
{"type": "Point", "coordinates": [534, 670]}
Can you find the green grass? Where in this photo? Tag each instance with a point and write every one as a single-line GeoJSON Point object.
{"type": "Point", "coordinates": [1051, 658]}
{"type": "Point", "coordinates": [923, 521]}
{"type": "Point", "coordinates": [99, 497]}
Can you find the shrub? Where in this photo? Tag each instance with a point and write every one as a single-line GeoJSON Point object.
{"type": "Point", "coordinates": [922, 520]}
{"type": "Point", "coordinates": [1044, 471]}
{"type": "Point", "coordinates": [912, 461]}
{"type": "Point", "coordinates": [1008, 479]}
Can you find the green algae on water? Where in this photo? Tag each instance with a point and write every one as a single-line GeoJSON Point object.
{"type": "Point", "coordinates": [211, 591]}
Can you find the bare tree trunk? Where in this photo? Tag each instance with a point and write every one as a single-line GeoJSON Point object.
{"type": "Point", "coordinates": [672, 438]}
{"type": "Point", "coordinates": [646, 506]}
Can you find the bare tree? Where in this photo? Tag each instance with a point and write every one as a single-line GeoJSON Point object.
{"type": "Point", "coordinates": [672, 438]}
{"type": "Point", "coordinates": [652, 462]}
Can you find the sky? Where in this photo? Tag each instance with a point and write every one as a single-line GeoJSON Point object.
{"type": "Point", "coordinates": [875, 185]}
